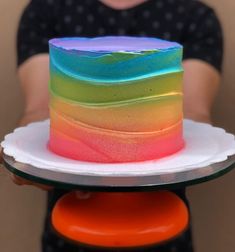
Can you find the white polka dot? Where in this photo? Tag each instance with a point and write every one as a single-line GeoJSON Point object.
{"type": "Point", "coordinates": [146, 14]}
{"type": "Point", "coordinates": [67, 19]}
{"type": "Point", "coordinates": [32, 51]}
{"type": "Point", "coordinates": [111, 21]}
{"type": "Point", "coordinates": [57, 27]}
{"type": "Point", "coordinates": [124, 13]}
{"type": "Point", "coordinates": [80, 9]}
{"type": "Point", "coordinates": [208, 58]}
{"type": "Point", "coordinates": [179, 25]}
{"type": "Point", "coordinates": [195, 47]}
{"type": "Point", "coordinates": [168, 16]}
{"type": "Point", "coordinates": [180, 9]}
{"type": "Point", "coordinates": [159, 4]}
{"type": "Point", "coordinates": [219, 34]}
{"type": "Point", "coordinates": [23, 47]}
{"type": "Point", "coordinates": [190, 245]}
{"type": "Point", "coordinates": [32, 34]}
{"type": "Point", "coordinates": [192, 27]}
{"type": "Point", "coordinates": [218, 53]}
{"type": "Point", "coordinates": [43, 26]}
{"type": "Point", "coordinates": [49, 249]}
{"type": "Point", "coordinates": [100, 9]}
{"type": "Point", "coordinates": [90, 18]}
{"type": "Point", "coordinates": [60, 243]}
{"type": "Point", "coordinates": [101, 31]}
{"type": "Point", "coordinates": [209, 22]}
{"type": "Point", "coordinates": [173, 249]}
{"type": "Point", "coordinates": [121, 31]}
{"type": "Point", "coordinates": [133, 22]}
{"type": "Point", "coordinates": [199, 34]}
{"type": "Point", "coordinates": [31, 14]}
{"type": "Point", "coordinates": [201, 11]}
{"type": "Point", "coordinates": [50, 2]}
{"type": "Point", "coordinates": [68, 2]}
{"type": "Point", "coordinates": [45, 41]}
{"type": "Point", "coordinates": [156, 24]}
{"type": "Point", "coordinates": [22, 27]}
{"type": "Point", "coordinates": [142, 34]}
{"type": "Point", "coordinates": [167, 35]}
{"type": "Point", "coordinates": [78, 28]}
{"type": "Point", "coordinates": [210, 41]}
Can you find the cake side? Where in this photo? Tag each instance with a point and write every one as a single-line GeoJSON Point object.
{"type": "Point", "coordinates": [115, 99]}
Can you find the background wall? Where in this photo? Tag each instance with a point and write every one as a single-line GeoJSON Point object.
{"type": "Point", "coordinates": [22, 209]}
{"type": "Point", "coordinates": [213, 203]}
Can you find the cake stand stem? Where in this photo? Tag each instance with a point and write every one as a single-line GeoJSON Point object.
{"type": "Point", "coordinates": [120, 220]}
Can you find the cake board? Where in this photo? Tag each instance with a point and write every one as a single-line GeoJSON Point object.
{"type": "Point", "coordinates": [209, 153]}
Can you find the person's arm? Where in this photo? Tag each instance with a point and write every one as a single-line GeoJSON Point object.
{"type": "Point", "coordinates": [202, 61]}
{"type": "Point", "coordinates": [201, 83]}
{"type": "Point", "coordinates": [34, 77]}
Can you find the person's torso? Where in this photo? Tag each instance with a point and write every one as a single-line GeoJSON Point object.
{"type": "Point", "coordinates": [154, 18]}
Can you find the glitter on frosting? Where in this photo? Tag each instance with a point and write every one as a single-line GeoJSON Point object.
{"type": "Point", "coordinates": [114, 44]}
{"type": "Point", "coordinates": [86, 62]}
{"type": "Point", "coordinates": [115, 99]}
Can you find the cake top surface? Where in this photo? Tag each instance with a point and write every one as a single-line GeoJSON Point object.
{"type": "Point", "coordinates": [113, 44]}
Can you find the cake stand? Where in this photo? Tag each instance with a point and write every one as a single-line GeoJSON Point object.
{"type": "Point", "coordinates": [130, 206]}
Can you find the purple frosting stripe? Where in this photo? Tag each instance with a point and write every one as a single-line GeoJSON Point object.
{"type": "Point", "coordinates": [114, 44]}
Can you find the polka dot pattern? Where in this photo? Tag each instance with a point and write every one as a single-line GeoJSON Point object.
{"type": "Point", "coordinates": [80, 9]}
{"type": "Point", "coordinates": [190, 23]}
{"type": "Point", "coordinates": [164, 19]}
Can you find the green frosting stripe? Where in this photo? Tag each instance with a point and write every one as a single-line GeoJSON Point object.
{"type": "Point", "coordinates": [84, 91]}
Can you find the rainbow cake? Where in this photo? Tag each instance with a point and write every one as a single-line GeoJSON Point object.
{"type": "Point", "coordinates": [115, 99]}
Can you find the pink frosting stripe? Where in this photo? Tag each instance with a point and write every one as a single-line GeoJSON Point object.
{"type": "Point", "coordinates": [94, 147]}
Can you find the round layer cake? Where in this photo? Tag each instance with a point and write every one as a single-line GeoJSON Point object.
{"type": "Point", "coordinates": [115, 99]}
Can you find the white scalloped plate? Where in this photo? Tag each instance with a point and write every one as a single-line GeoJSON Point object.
{"type": "Point", "coordinates": [205, 145]}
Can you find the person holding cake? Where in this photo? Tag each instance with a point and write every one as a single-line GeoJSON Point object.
{"type": "Point", "coordinates": [190, 23]}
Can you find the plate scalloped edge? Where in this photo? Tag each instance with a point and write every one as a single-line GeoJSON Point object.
{"type": "Point", "coordinates": [11, 148]}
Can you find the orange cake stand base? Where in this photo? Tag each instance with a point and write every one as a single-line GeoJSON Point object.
{"type": "Point", "coordinates": [120, 220]}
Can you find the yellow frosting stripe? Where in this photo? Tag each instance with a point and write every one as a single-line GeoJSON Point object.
{"type": "Point", "coordinates": [142, 115]}
{"type": "Point", "coordinates": [81, 91]}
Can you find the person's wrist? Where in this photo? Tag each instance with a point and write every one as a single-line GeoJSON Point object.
{"type": "Point", "coordinates": [33, 116]}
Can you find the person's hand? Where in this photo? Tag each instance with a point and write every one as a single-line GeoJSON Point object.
{"type": "Point", "coordinates": [1, 155]}
{"type": "Point", "coordinates": [83, 194]}
{"type": "Point", "coordinates": [20, 181]}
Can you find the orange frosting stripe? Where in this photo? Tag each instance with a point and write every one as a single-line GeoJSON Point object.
{"type": "Point", "coordinates": [119, 105]}
{"type": "Point", "coordinates": [82, 142]}
{"type": "Point", "coordinates": [156, 113]}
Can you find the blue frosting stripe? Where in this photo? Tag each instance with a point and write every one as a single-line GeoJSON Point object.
{"type": "Point", "coordinates": [113, 67]}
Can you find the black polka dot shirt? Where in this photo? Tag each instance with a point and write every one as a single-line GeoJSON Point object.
{"type": "Point", "coordinates": [189, 22]}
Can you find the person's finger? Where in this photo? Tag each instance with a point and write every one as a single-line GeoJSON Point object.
{"type": "Point", "coordinates": [20, 181]}
{"type": "Point", "coordinates": [17, 180]}
{"type": "Point", "coordinates": [1, 155]}
{"type": "Point", "coordinates": [83, 194]}
{"type": "Point", "coordinates": [44, 187]}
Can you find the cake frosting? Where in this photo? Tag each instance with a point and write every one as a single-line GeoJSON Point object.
{"type": "Point", "coordinates": [115, 99]}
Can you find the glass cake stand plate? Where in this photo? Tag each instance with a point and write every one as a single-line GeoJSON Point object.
{"type": "Point", "coordinates": [209, 153]}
